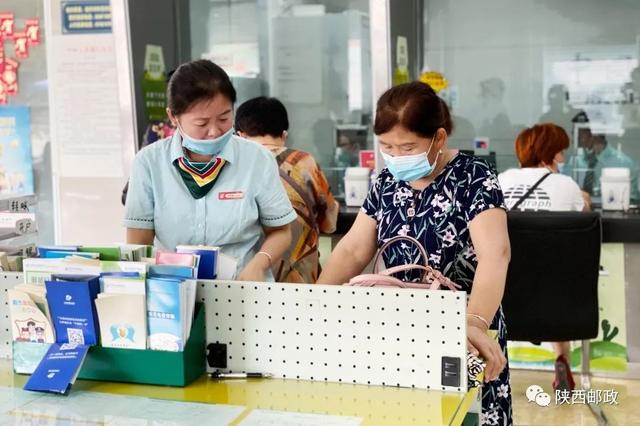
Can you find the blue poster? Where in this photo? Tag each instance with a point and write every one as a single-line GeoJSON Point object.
{"type": "Point", "coordinates": [16, 164]}
{"type": "Point", "coordinates": [86, 17]}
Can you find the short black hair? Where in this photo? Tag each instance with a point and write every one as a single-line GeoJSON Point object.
{"type": "Point", "coordinates": [262, 116]}
{"type": "Point", "coordinates": [600, 137]}
{"type": "Point", "coordinates": [197, 81]}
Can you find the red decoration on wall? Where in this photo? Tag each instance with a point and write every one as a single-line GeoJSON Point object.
{"type": "Point", "coordinates": [7, 24]}
{"type": "Point", "coordinates": [10, 76]}
{"type": "Point", "coordinates": [32, 28]}
{"type": "Point", "coordinates": [21, 44]}
{"type": "Point", "coordinates": [22, 40]}
{"type": "Point", "coordinates": [4, 97]}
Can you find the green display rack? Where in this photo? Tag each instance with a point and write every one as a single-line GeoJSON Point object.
{"type": "Point", "coordinates": [147, 366]}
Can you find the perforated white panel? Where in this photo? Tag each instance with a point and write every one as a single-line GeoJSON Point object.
{"type": "Point", "coordinates": [342, 334]}
{"type": "Point", "coordinates": [381, 336]}
{"type": "Point", "coordinates": [7, 280]}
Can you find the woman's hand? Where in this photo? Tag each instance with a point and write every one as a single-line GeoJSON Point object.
{"type": "Point", "coordinates": [479, 343]}
{"type": "Point", "coordinates": [251, 273]}
{"type": "Point", "coordinates": [255, 270]}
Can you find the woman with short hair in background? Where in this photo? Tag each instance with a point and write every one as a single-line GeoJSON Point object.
{"type": "Point", "coordinates": [265, 121]}
{"type": "Point", "coordinates": [538, 185]}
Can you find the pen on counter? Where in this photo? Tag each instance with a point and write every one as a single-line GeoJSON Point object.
{"type": "Point", "coordinates": [219, 375]}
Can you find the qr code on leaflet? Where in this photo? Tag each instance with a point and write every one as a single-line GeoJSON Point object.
{"type": "Point", "coordinates": [75, 336]}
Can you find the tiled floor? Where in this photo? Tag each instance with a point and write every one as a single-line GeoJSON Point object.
{"type": "Point", "coordinates": [626, 412]}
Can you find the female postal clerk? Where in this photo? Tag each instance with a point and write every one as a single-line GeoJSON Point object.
{"type": "Point", "coordinates": [452, 204]}
{"type": "Point", "coordinates": [207, 186]}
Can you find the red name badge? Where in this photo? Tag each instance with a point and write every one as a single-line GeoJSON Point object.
{"type": "Point", "coordinates": [233, 195]}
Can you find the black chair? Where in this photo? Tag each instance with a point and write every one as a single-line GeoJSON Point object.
{"type": "Point", "coordinates": [551, 293]}
{"type": "Point", "coordinates": [552, 283]}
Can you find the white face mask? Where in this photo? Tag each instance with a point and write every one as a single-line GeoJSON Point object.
{"type": "Point", "coordinates": [560, 166]}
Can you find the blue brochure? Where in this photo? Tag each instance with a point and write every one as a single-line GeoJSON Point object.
{"type": "Point", "coordinates": [53, 254]}
{"type": "Point", "coordinates": [172, 270]}
{"type": "Point", "coordinates": [73, 312]}
{"type": "Point", "coordinates": [165, 313]}
{"type": "Point", "coordinates": [58, 369]}
{"type": "Point", "coordinates": [43, 250]}
{"type": "Point", "coordinates": [207, 265]}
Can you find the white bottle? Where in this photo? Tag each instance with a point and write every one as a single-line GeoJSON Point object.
{"type": "Point", "coordinates": [356, 185]}
{"type": "Point", "coordinates": [615, 184]}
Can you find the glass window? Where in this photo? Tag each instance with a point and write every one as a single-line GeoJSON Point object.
{"type": "Point", "coordinates": [30, 104]}
{"type": "Point", "coordinates": [510, 64]}
{"type": "Point", "coordinates": [315, 58]}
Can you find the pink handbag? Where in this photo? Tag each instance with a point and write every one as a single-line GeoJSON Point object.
{"type": "Point", "coordinates": [431, 279]}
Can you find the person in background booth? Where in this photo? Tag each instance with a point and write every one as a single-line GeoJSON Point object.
{"type": "Point", "coordinates": [265, 121]}
{"type": "Point", "coordinates": [206, 186]}
{"type": "Point", "coordinates": [538, 185]}
{"type": "Point", "coordinates": [452, 204]}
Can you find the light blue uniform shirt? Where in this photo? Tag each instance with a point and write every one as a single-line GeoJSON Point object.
{"type": "Point", "coordinates": [247, 194]}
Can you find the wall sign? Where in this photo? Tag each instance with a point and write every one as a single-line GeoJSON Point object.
{"type": "Point", "coordinates": [82, 17]}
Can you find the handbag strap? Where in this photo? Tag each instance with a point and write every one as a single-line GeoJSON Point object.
{"type": "Point", "coordinates": [431, 276]}
{"type": "Point", "coordinates": [530, 191]}
{"type": "Point", "coordinates": [390, 241]}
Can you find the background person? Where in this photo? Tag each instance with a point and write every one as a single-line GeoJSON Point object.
{"type": "Point", "coordinates": [538, 186]}
{"type": "Point", "coordinates": [265, 121]}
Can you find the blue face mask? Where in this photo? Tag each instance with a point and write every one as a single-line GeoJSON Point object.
{"type": "Point", "coordinates": [409, 167]}
{"type": "Point", "coordinates": [205, 146]}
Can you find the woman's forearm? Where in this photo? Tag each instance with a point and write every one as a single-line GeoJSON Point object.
{"type": "Point", "coordinates": [488, 287]}
{"type": "Point", "coordinates": [140, 236]}
{"type": "Point", "coordinates": [353, 252]}
{"type": "Point", "coordinates": [343, 264]}
{"type": "Point", "coordinates": [276, 243]}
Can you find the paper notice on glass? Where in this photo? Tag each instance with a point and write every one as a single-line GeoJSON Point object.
{"type": "Point", "coordinates": [86, 132]}
{"type": "Point", "coordinates": [298, 65]}
{"type": "Point", "coordinates": [285, 418]}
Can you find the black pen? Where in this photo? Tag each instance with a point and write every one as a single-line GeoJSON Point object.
{"type": "Point", "coordinates": [219, 375]}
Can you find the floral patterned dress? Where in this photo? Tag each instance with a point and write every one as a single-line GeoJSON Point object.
{"type": "Point", "coordinates": [439, 217]}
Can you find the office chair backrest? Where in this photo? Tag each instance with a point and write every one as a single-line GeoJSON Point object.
{"type": "Point", "coordinates": [552, 282]}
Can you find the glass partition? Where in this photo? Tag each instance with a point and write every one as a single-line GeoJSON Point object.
{"type": "Point", "coordinates": [512, 63]}
{"type": "Point", "coordinates": [315, 58]}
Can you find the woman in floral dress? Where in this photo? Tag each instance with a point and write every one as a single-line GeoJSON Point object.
{"type": "Point", "coordinates": [453, 205]}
